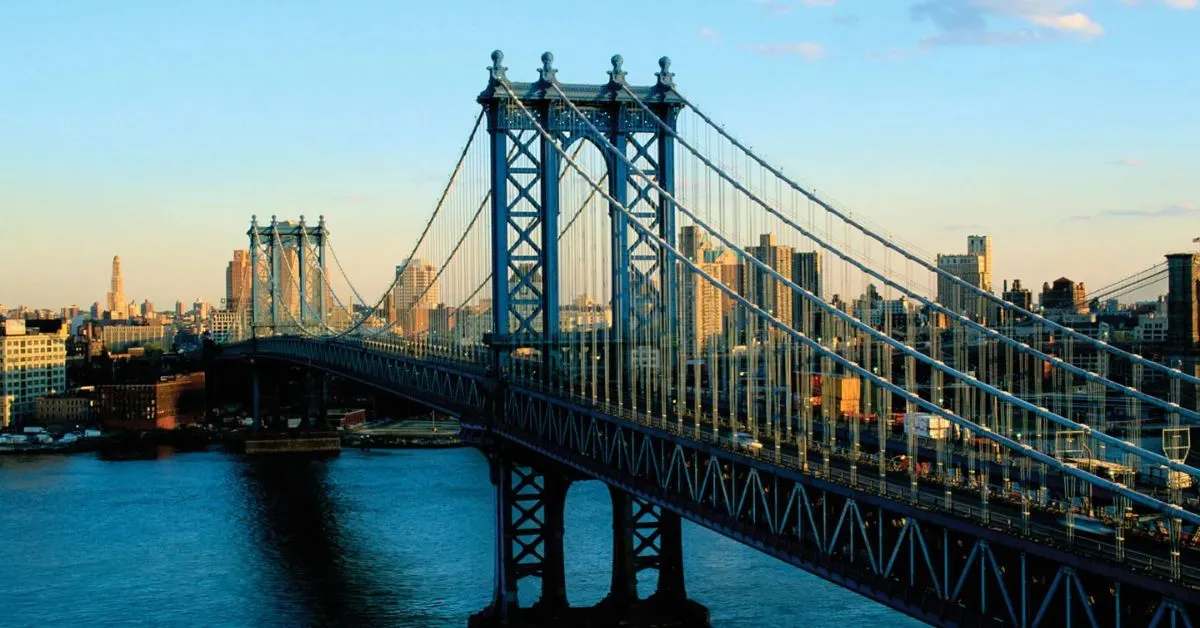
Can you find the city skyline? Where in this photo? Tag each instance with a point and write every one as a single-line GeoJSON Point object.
{"type": "Point", "coordinates": [1028, 92]}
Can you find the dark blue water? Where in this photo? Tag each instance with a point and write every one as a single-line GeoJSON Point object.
{"type": "Point", "coordinates": [399, 538]}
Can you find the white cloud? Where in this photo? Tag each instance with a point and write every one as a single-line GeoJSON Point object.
{"type": "Point", "coordinates": [970, 22]}
{"type": "Point", "coordinates": [783, 7]}
{"type": "Point", "coordinates": [1174, 4]}
{"type": "Point", "coordinates": [709, 34]}
{"type": "Point", "coordinates": [1174, 210]}
{"type": "Point", "coordinates": [1070, 23]}
{"type": "Point", "coordinates": [809, 50]}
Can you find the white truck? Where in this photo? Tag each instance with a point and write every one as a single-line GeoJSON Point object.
{"type": "Point", "coordinates": [926, 425]}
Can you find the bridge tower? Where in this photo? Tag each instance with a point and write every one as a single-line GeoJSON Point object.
{"type": "Point", "coordinates": [288, 289]}
{"type": "Point", "coordinates": [525, 175]}
{"type": "Point", "coordinates": [526, 183]}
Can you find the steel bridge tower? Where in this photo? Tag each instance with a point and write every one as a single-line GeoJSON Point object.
{"type": "Point", "coordinates": [525, 256]}
{"type": "Point", "coordinates": [525, 171]}
{"type": "Point", "coordinates": [288, 289]}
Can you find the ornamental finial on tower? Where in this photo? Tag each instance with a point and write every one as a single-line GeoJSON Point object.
{"type": "Point", "coordinates": [547, 72]}
{"type": "Point", "coordinates": [617, 74]}
{"type": "Point", "coordinates": [272, 218]}
{"type": "Point", "coordinates": [253, 219]}
{"type": "Point", "coordinates": [665, 77]}
{"type": "Point", "coordinates": [496, 69]}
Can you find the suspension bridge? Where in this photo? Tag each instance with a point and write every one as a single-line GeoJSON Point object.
{"type": "Point", "coordinates": [613, 287]}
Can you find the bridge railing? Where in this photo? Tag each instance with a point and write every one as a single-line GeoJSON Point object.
{"type": "Point", "coordinates": [648, 370]}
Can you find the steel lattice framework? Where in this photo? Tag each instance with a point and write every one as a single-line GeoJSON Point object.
{"type": "Point", "coordinates": [1030, 498]}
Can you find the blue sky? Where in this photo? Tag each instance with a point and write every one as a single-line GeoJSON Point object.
{"type": "Point", "coordinates": [1066, 129]}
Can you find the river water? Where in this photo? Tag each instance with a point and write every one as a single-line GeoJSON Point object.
{"type": "Point", "coordinates": [383, 538]}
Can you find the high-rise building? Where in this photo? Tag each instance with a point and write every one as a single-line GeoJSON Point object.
{"type": "Point", "coordinates": [693, 242]}
{"type": "Point", "coordinates": [806, 273]}
{"type": "Point", "coordinates": [115, 299]}
{"type": "Point", "coordinates": [763, 289]}
{"type": "Point", "coordinates": [1183, 302]}
{"type": "Point", "coordinates": [95, 311]}
{"type": "Point", "coordinates": [237, 281]}
{"type": "Point", "coordinates": [701, 308]}
{"type": "Point", "coordinates": [981, 245]}
{"type": "Point", "coordinates": [33, 363]}
{"type": "Point", "coordinates": [974, 268]}
{"type": "Point", "coordinates": [415, 294]}
{"type": "Point", "coordinates": [147, 308]}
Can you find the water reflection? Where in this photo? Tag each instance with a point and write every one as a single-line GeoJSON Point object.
{"type": "Point", "coordinates": [368, 539]}
{"type": "Point", "coordinates": [295, 522]}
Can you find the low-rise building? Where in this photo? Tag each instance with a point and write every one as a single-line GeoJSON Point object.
{"type": "Point", "coordinates": [66, 410]}
{"type": "Point", "coordinates": [229, 325]}
{"type": "Point", "coordinates": [33, 363]}
{"type": "Point", "coordinates": [171, 402]}
{"type": "Point", "coordinates": [121, 337]}
{"type": "Point", "coordinates": [1150, 328]}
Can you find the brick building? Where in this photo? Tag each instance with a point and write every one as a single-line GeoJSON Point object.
{"type": "Point", "coordinates": [166, 404]}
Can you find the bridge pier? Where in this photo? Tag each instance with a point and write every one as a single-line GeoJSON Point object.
{"type": "Point", "coordinates": [255, 397]}
{"type": "Point", "coordinates": [530, 503]}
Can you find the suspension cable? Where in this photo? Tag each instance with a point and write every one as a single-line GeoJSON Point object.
{"type": "Point", "coordinates": [851, 321]}
{"type": "Point", "coordinates": [1020, 346]}
{"type": "Point", "coordinates": [834, 356]}
{"type": "Point", "coordinates": [424, 232]}
{"type": "Point", "coordinates": [955, 280]}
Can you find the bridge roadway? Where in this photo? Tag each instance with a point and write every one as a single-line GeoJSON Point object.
{"type": "Point", "coordinates": [999, 523]}
{"type": "Point", "coordinates": [998, 514]}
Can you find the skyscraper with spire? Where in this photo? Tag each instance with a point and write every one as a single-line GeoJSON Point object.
{"type": "Point", "coordinates": [116, 295]}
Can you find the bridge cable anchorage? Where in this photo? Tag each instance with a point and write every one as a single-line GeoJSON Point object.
{"type": "Point", "coordinates": [1019, 346]}
{"type": "Point", "coordinates": [941, 273]}
{"type": "Point", "coordinates": [933, 363]}
{"type": "Point", "coordinates": [424, 232]}
{"type": "Point", "coordinates": [845, 363]}
{"type": "Point", "coordinates": [976, 429]}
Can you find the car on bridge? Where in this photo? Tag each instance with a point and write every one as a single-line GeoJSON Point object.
{"type": "Point", "coordinates": [743, 440]}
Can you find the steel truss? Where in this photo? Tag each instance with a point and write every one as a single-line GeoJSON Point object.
{"type": "Point", "coordinates": [453, 388]}
{"type": "Point", "coordinates": [525, 202]}
{"type": "Point", "coordinates": [939, 568]}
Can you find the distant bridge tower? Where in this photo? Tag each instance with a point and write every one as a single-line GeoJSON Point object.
{"type": "Point", "coordinates": [525, 171]}
{"type": "Point", "coordinates": [288, 289]}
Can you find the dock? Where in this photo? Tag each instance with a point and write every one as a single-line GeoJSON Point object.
{"type": "Point", "coordinates": [407, 433]}
{"type": "Point", "coordinates": [291, 443]}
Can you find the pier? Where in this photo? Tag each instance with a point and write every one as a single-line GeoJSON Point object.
{"type": "Point", "coordinates": [419, 432]}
